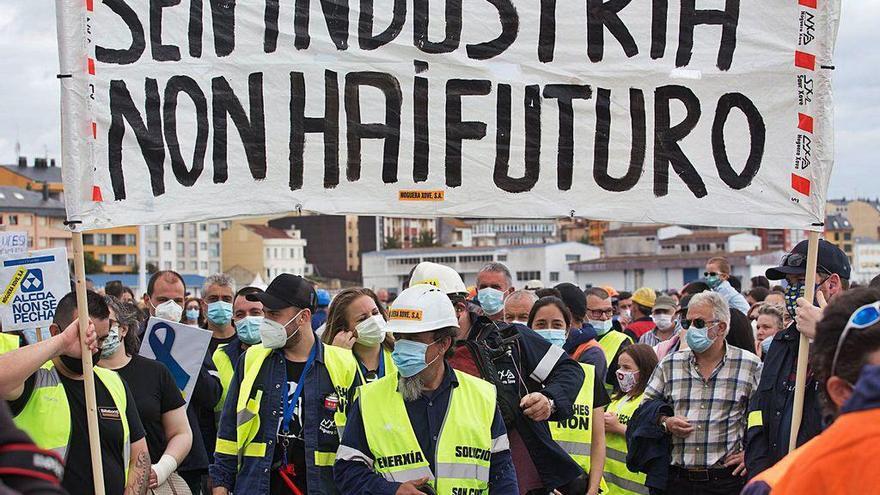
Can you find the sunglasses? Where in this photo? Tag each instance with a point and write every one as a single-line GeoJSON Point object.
{"type": "Point", "coordinates": [698, 323]}
{"type": "Point", "coordinates": [711, 274]}
{"type": "Point", "coordinates": [798, 260]}
{"type": "Point", "coordinates": [864, 317]}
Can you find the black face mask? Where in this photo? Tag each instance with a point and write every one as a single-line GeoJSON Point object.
{"type": "Point", "coordinates": [75, 364]}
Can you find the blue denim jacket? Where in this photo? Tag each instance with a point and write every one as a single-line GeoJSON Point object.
{"type": "Point", "coordinates": [254, 474]}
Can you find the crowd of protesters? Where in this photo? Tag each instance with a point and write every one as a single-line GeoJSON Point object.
{"type": "Point", "coordinates": [457, 390]}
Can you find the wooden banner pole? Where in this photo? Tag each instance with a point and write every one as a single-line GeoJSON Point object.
{"type": "Point", "coordinates": [39, 334]}
{"type": "Point", "coordinates": [797, 413]}
{"type": "Point", "coordinates": [82, 306]}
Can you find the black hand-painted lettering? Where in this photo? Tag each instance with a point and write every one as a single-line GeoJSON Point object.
{"type": "Point", "coordinates": [131, 54]}
{"type": "Point", "coordinates": [161, 52]}
{"type": "Point", "coordinates": [421, 140]}
{"type": "Point", "coordinates": [532, 104]}
{"type": "Point", "coordinates": [605, 14]}
{"type": "Point", "coordinates": [223, 22]}
{"type": "Point", "coordinates": [659, 15]}
{"type": "Point", "coordinates": [335, 16]}
{"type": "Point", "coordinates": [458, 130]}
{"type": "Point", "coordinates": [195, 29]}
{"type": "Point", "coordinates": [327, 125]}
{"type": "Point", "coordinates": [728, 19]}
{"type": "Point", "coordinates": [357, 130]}
{"type": "Point", "coordinates": [757, 136]}
{"type": "Point", "coordinates": [509, 29]}
{"type": "Point", "coordinates": [453, 27]}
{"type": "Point", "coordinates": [187, 85]}
{"type": "Point", "coordinates": [366, 39]}
{"type": "Point", "coordinates": [603, 136]}
{"type": "Point", "coordinates": [547, 31]}
{"type": "Point", "coordinates": [666, 148]}
{"type": "Point", "coordinates": [270, 19]}
{"type": "Point", "coordinates": [565, 94]}
{"type": "Point", "coordinates": [251, 129]}
{"type": "Point", "coordinates": [148, 135]}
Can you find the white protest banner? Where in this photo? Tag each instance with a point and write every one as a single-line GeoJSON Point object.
{"type": "Point", "coordinates": [31, 285]}
{"type": "Point", "coordinates": [13, 242]}
{"type": "Point", "coordinates": [715, 113]}
{"type": "Point", "coordinates": [181, 348]}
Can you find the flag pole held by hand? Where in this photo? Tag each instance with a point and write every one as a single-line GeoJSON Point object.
{"type": "Point", "coordinates": [797, 413]}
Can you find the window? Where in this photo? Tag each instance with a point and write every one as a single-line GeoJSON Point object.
{"type": "Point", "coordinates": [571, 258]}
{"type": "Point", "coordinates": [118, 260]}
{"type": "Point", "coordinates": [117, 239]}
{"type": "Point", "coordinates": [215, 249]}
{"type": "Point", "coordinates": [131, 260]}
{"type": "Point", "coordinates": [214, 230]}
{"type": "Point", "coordinates": [203, 246]}
{"type": "Point", "coordinates": [100, 239]}
{"type": "Point", "coordinates": [130, 240]}
{"type": "Point", "coordinates": [847, 236]}
{"type": "Point", "coordinates": [554, 276]}
{"type": "Point", "coordinates": [203, 227]}
{"type": "Point", "coordinates": [502, 257]}
{"type": "Point", "coordinates": [167, 228]}
{"type": "Point", "coordinates": [204, 265]}
{"type": "Point", "coordinates": [528, 275]}
{"type": "Point", "coordinates": [102, 258]}
{"type": "Point", "coordinates": [215, 267]}
{"type": "Point", "coordinates": [193, 252]}
{"type": "Point", "coordinates": [166, 246]}
{"type": "Point", "coordinates": [180, 248]}
{"type": "Point", "coordinates": [193, 266]}
{"type": "Point", "coordinates": [88, 239]}
{"type": "Point", "coordinates": [638, 277]}
{"type": "Point", "coordinates": [181, 266]}
{"type": "Point", "coordinates": [292, 253]}
{"type": "Point", "coordinates": [167, 265]}
{"type": "Point", "coordinates": [275, 253]}
{"type": "Point", "coordinates": [268, 253]}
{"type": "Point", "coordinates": [192, 229]}
{"type": "Point", "coordinates": [179, 229]}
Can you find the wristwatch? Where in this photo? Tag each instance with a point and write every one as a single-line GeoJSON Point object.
{"type": "Point", "coordinates": [552, 404]}
{"type": "Point", "coordinates": [663, 424]}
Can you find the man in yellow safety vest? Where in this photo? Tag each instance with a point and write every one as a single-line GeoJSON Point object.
{"type": "Point", "coordinates": [431, 429]}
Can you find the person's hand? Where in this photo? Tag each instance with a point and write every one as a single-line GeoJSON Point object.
{"type": "Point", "coordinates": [410, 487]}
{"type": "Point", "coordinates": [737, 459]}
{"type": "Point", "coordinates": [154, 479]}
{"type": "Point", "coordinates": [808, 315]}
{"type": "Point", "coordinates": [70, 339]}
{"type": "Point", "coordinates": [536, 406]}
{"type": "Point", "coordinates": [612, 424]}
{"type": "Point", "coordinates": [219, 490]}
{"type": "Point", "coordinates": [624, 321]}
{"type": "Point", "coordinates": [679, 426]}
{"type": "Point", "coordinates": [344, 339]}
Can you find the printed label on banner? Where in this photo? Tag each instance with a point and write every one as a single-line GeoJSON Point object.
{"type": "Point", "coordinates": [415, 195]}
{"type": "Point", "coordinates": [13, 243]}
{"type": "Point", "coordinates": [13, 285]}
{"type": "Point", "coordinates": [405, 314]}
{"type": "Point", "coordinates": [109, 413]}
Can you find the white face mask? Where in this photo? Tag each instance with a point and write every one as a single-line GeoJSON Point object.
{"type": "Point", "coordinates": [663, 322]}
{"type": "Point", "coordinates": [168, 310]}
{"type": "Point", "coordinates": [627, 380]}
{"type": "Point", "coordinates": [601, 326]}
{"type": "Point", "coordinates": [371, 332]}
{"type": "Point", "coordinates": [274, 334]}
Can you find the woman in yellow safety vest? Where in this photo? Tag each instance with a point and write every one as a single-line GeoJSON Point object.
{"type": "Point", "coordinates": [637, 362]}
{"type": "Point", "coordinates": [356, 321]}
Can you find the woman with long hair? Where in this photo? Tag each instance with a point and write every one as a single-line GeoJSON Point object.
{"type": "Point", "coordinates": [356, 320]}
{"type": "Point", "coordinates": [637, 362]}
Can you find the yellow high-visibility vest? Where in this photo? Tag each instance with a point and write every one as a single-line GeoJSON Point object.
{"type": "Point", "coordinates": [622, 481]}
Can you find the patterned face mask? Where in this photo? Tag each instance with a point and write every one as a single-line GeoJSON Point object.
{"type": "Point", "coordinates": [792, 293]}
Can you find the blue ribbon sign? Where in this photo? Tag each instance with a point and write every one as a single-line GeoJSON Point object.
{"type": "Point", "coordinates": [162, 350]}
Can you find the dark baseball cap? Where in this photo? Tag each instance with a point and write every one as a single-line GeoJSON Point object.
{"type": "Point", "coordinates": [830, 260]}
{"type": "Point", "coordinates": [574, 298]}
{"type": "Point", "coordinates": [285, 291]}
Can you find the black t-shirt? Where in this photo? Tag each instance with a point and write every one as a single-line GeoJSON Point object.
{"type": "Point", "coordinates": [78, 465]}
{"type": "Point", "coordinates": [600, 395]}
{"type": "Point", "coordinates": [155, 393]}
{"type": "Point", "coordinates": [296, 450]}
{"type": "Point", "coordinates": [217, 342]}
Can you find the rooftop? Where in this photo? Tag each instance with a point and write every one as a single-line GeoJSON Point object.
{"type": "Point", "coordinates": [267, 232]}
{"type": "Point", "coordinates": [16, 199]}
{"type": "Point", "coordinates": [48, 174]}
{"type": "Point", "coordinates": [634, 231]}
{"type": "Point", "coordinates": [703, 235]}
{"type": "Point", "coordinates": [837, 222]}
{"type": "Point", "coordinates": [483, 249]}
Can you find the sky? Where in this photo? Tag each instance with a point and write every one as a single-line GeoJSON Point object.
{"type": "Point", "coordinates": [29, 96]}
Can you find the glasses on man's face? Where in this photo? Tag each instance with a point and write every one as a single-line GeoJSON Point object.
{"type": "Point", "coordinates": [864, 317]}
{"type": "Point", "coordinates": [598, 313]}
{"type": "Point", "coordinates": [697, 323]}
{"type": "Point", "coordinates": [710, 274]}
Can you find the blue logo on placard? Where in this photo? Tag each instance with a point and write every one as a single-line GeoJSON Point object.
{"type": "Point", "coordinates": [33, 281]}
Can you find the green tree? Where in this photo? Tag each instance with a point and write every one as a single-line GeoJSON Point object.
{"type": "Point", "coordinates": [391, 242]}
{"type": "Point", "coordinates": [426, 239]}
{"type": "Point", "coordinates": [93, 265]}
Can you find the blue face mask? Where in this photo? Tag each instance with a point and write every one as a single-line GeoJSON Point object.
{"type": "Point", "coordinates": [248, 329]}
{"type": "Point", "coordinates": [192, 314]}
{"type": "Point", "coordinates": [698, 339]}
{"type": "Point", "coordinates": [601, 326]}
{"type": "Point", "coordinates": [409, 357]}
{"type": "Point", "coordinates": [491, 300]}
{"type": "Point", "coordinates": [555, 337]}
{"type": "Point", "coordinates": [220, 312]}
{"type": "Point", "coordinates": [765, 345]}
{"type": "Point", "coordinates": [713, 281]}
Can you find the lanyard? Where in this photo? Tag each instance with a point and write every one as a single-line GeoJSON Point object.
{"type": "Point", "coordinates": [380, 372]}
{"type": "Point", "coordinates": [290, 405]}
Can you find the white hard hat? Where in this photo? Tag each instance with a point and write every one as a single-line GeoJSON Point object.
{"type": "Point", "coordinates": [440, 276]}
{"type": "Point", "coordinates": [534, 284]}
{"type": "Point", "coordinates": [421, 308]}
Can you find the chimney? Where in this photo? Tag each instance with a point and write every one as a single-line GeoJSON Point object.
{"type": "Point", "coordinates": [22, 161]}
{"type": "Point", "coordinates": [52, 163]}
{"type": "Point", "coordinates": [40, 163]}
{"type": "Point", "coordinates": [45, 191]}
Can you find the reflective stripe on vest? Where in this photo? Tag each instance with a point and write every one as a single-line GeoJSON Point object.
{"type": "Point", "coordinates": [225, 370]}
{"type": "Point", "coordinates": [46, 416]}
{"type": "Point", "coordinates": [756, 418]}
{"type": "Point", "coordinates": [574, 434]}
{"type": "Point", "coordinates": [8, 343]}
{"type": "Point", "coordinates": [340, 365]}
{"type": "Point", "coordinates": [463, 448]}
{"type": "Point", "coordinates": [622, 481]}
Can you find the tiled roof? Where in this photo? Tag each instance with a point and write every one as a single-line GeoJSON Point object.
{"type": "Point", "coordinates": [267, 232]}
{"type": "Point", "coordinates": [47, 174]}
{"type": "Point", "coordinates": [16, 199]}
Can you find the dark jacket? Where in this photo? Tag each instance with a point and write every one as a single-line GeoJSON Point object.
{"type": "Point", "coordinates": [594, 356]}
{"type": "Point", "coordinates": [649, 447]}
{"type": "Point", "coordinates": [24, 467]}
{"type": "Point", "coordinates": [770, 407]}
{"type": "Point", "coordinates": [528, 363]}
